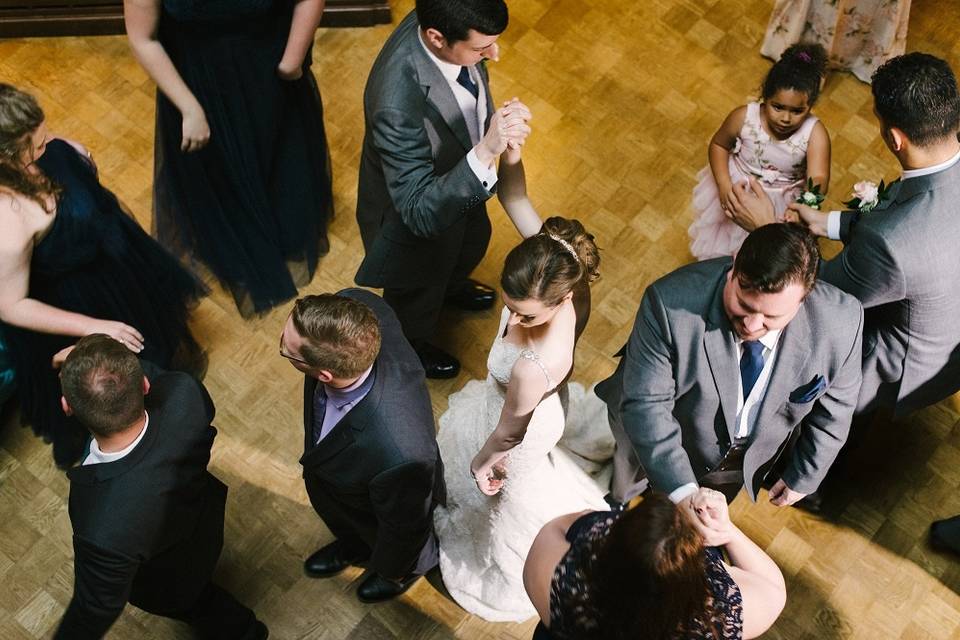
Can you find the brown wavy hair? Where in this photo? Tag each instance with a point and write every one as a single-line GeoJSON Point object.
{"type": "Point", "coordinates": [648, 577]}
{"type": "Point", "coordinates": [340, 334]}
{"type": "Point", "coordinates": [20, 115]}
{"type": "Point", "coordinates": [542, 268]}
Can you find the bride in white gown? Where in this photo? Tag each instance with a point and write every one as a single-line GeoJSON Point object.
{"type": "Point", "coordinates": [511, 466]}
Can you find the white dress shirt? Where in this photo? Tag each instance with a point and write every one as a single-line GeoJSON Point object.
{"type": "Point", "coordinates": [833, 219]}
{"type": "Point", "coordinates": [749, 407]}
{"type": "Point", "coordinates": [474, 112]}
{"type": "Point", "coordinates": [96, 456]}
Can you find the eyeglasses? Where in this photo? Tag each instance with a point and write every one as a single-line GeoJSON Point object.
{"type": "Point", "coordinates": [288, 356]}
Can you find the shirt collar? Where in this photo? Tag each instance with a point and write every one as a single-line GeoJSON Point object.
{"type": "Point", "coordinates": [112, 456]}
{"type": "Point", "coordinates": [348, 395]}
{"type": "Point", "coordinates": [916, 173]}
{"type": "Point", "coordinates": [449, 70]}
{"type": "Point", "coordinates": [769, 339]}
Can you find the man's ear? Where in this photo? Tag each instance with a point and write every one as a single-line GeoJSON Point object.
{"type": "Point", "coordinates": [897, 138]}
{"type": "Point", "coordinates": [146, 385]}
{"type": "Point", "coordinates": [66, 406]}
{"type": "Point", "coordinates": [324, 376]}
{"type": "Point", "coordinates": [434, 38]}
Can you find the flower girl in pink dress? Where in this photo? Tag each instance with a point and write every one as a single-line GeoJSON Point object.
{"type": "Point", "coordinates": [777, 141]}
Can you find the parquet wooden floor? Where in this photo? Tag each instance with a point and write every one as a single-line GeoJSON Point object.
{"type": "Point", "coordinates": [626, 95]}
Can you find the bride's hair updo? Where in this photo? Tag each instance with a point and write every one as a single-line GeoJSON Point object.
{"type": "Point", "coordinates": [20, 115]}
{"type": "Point", "coordinates": [547, 266]}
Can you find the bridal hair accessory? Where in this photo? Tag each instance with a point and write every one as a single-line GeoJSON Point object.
{"type": "Point", "coordinates": [566, 245]}
{"type": "Point", "coordinates": [805, 57]}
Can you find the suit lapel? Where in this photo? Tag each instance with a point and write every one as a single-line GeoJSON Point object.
{"type": "Point", "coordinates": [892, 196]}
{"type": "Point", "coordinates": [721, 349]}
{"type": "Point", "coordinates": [791, 356]}
{"type": "Point", "coordinates": [343, 434]}
{"type": "Point", "coordinates": [437, 91]}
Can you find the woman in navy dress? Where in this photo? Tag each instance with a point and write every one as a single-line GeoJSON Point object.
{"type": "Point", "coordinates": [72, 263]}
{"type": "Point", "coordinates": [241, 167]}
{"type": "Point", "coordinates": [655, 571]}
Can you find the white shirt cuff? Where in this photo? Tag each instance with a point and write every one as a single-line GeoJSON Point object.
{"type": "Point", "coordinates": [486, 175]}
{"type": "Point", "coordinates": [833, 225]}
{"type": "Point", "coordinates": [684, 490]}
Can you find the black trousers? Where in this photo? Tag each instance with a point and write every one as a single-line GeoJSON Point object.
{"type": "Point", "coordinates": [418, 308]}
{"type": "Point", "coordinates": [216, 615]}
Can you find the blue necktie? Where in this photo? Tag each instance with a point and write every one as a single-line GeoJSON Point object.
{"type": "Point", "coordinates": [751, 363]}
{"type": "Point", "coordinates": [464, 81]}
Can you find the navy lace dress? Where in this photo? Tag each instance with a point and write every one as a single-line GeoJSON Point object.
{"type": "Point", "coordinates": [96, 260]}
{"type": "Point", "coordinates": [252, 205]}
{"type": "Point", "coordinates": [573, 614]}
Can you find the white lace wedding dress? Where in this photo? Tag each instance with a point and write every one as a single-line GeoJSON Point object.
{"type": "Point", "coordinates": [555, 470]}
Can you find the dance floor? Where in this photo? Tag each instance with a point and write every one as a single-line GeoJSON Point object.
{"type": "Point", "coordinates": [626, 95]}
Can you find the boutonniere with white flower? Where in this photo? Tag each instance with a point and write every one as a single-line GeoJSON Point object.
{"type": "Point", "coordinates": [867, 195]}
{"type": "Point", "coordinates": [811, 195]}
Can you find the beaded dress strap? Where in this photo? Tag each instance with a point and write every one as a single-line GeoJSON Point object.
{"type": "Point", "coordinates": [532, 355]}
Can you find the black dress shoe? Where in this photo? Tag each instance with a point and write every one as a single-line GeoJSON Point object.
{"type": "Point", "coordinates": [259, 631]}
{"type": "Point", "coordinates": [945, 535]}
{"type": "Point", "coordinates": [378, 589]}
{"type": "Point", "coordinates": [331, 560]}
{"type": "Point", "coordinates": [437, 363]}
{"type": "Point", "coordinates": [472, 296]}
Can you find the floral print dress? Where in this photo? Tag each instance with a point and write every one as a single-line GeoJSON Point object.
{"type": "Point", "coordinates": [859, 35]}
{"type": "Point", "coordinates": [779, 165]}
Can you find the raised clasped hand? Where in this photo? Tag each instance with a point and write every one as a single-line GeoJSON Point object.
{"type": "Point", "coordinates": [707, 510]}
{"type": "Point", "coordinates": [508, 127]}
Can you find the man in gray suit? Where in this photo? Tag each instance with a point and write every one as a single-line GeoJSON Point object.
{"type": "Point", "coordinates": [901, 259]}
{"type": "Point", "coordinates": [429, 165]}
{"type": "Point", "coordinates": [730, 365]}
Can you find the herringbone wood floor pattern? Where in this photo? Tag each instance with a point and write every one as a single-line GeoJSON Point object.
{"type": "Point", "coordinates": [625, 95]}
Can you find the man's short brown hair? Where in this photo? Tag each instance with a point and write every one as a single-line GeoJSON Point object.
{"type": "Point", "coordinates": [103, 383]}
{"type": "Point", "coordinates": [340, 335]}
{"type": "Point", "coordinates": [775, 256]}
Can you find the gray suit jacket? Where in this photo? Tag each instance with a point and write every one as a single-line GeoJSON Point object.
{"type": "Point", "coordinates": [416, 188]}
{"type": "Point", "coordinates": [901, 262]}
{"type": "Point", "coordinates": [675, 389]}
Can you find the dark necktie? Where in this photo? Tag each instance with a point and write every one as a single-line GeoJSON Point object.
{"type": "Point", "coordinates": [464, 81]}
{"type": "Point", "coordinates": [751, 363]}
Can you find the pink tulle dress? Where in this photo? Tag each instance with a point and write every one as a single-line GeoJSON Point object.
{"type": "Point", "coordinates": [779, 165]}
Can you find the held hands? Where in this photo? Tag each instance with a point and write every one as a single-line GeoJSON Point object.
{"type": "Point", "coordinates": [707, 510]}
{"type": "Point", "coordinates": [783, 496]}
{"type": "Point", "coordinates": [814, 220]}
{"type": "Point", "coordinates": [122, 333]}
{"type": "Point", "coordinates": [490, 479]}
{"type": "Point", "coordinates": [508, 129]}
{"type": "Point", "coordinates": [196, 131]}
